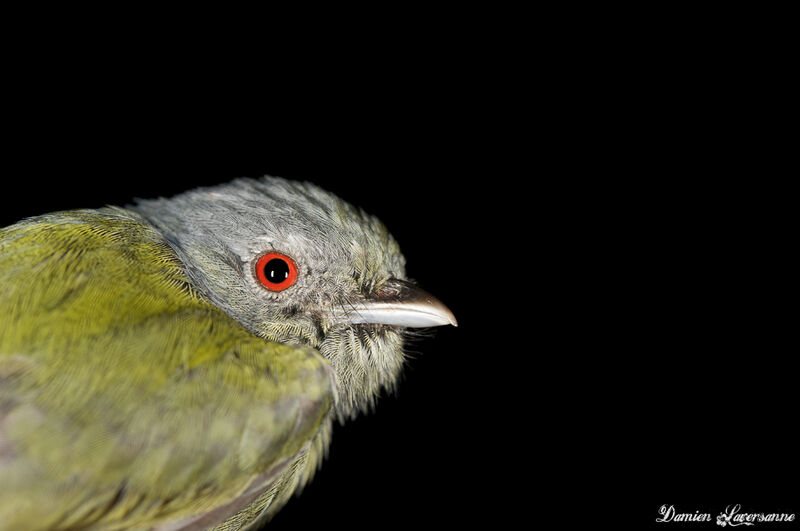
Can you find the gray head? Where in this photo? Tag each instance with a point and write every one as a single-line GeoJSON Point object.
{"type": "Point", "coordinates": [296, 264]}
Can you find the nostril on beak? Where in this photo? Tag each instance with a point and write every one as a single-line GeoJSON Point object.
{"type": "Point", "coordinates": [387, 292]}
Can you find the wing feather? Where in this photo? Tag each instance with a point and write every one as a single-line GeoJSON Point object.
{"type": "Point", "coordinates": [126, 399]}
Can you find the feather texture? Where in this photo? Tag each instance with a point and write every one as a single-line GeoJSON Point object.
{"type": "Point", "coordinates": [126, 399]}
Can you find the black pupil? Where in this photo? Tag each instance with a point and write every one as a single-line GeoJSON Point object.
{"type": "Point", "coordinates": [276, 270]}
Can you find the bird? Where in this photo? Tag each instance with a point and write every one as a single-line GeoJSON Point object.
{"type": "Point", "coordinates": [179, 362]}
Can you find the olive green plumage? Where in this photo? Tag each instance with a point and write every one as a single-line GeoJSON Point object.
{"type": "Point", "coordinates": [150, 379]}
{"type": "Point", "coordinates": [151, 390]}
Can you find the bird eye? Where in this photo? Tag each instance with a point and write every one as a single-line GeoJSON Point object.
{"type": "Point", "coordinates": [276, 271]}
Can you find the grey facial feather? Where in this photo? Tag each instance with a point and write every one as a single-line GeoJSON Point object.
{"type": "Point", "coordinates": [342, 255]}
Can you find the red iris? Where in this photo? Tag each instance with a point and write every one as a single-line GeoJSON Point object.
{"type": "Point", "coordinates": [276, 271]}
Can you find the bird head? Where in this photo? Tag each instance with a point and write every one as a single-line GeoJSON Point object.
{"type": "Point", "coordinates": [296, 264]}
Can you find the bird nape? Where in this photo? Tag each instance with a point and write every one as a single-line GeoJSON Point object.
{"type": "Point", "coordinates": [179, 363]}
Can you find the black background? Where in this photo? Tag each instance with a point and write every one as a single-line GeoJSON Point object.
{"type": "Point", "coordinates": [608, 217]}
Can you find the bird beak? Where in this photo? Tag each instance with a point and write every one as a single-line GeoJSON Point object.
{"type": "Point", "coordinates": [399, 303]}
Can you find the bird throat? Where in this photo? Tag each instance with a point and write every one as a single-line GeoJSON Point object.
{"type": "Point", "coordinates": [366, 360]}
